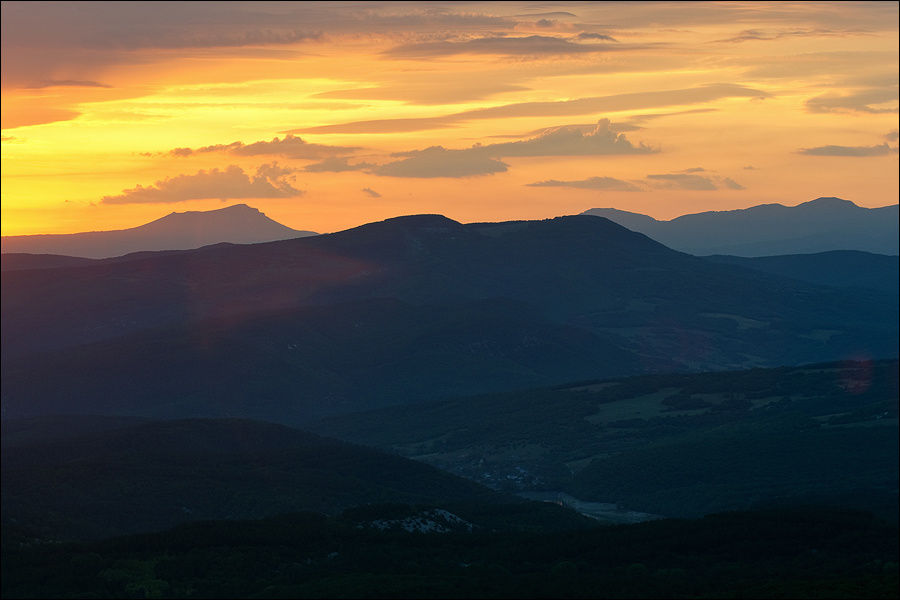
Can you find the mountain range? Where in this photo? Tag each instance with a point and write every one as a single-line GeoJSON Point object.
{"type": "Point", "coordinates": [237, 224]}
{"type": "Point", "coordinates": [820, 225]}
{"type": "Point", "coordinates": [405, 310]}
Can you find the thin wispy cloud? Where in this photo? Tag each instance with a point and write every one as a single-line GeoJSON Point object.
{"type": "Point", "coordinates": [232, 182]}
{"type": "Point", "coordinates": [533, 45]}
{"type": "Point", "coordinates": [584, 128]}
{"type": "Point", "coordinates": [580, 106]}
{"type": "Point", "coordinates": [371, 193]}
{"type": "Point", "coordinates": [591, 183]}
{"type": "Point", "coordinates": [49, 83]}
{"type": "Point", "coordinates": [681, 181]}
{"type": "Point", "coordinates": [430, 91]}
{"type": "Point", "coordinates": [135, 38]}
{"type": "Point", "coordinates": [866, 101]}
{"type": "Point", "coordinates": [689, 180]}
{"type": "Point", "coordinates": [336, 165]}
{"type": "Point", "coordinates": [553, 14]}
{"type": "Point", "coordinates": [859, 151]}
{"type": "Point", "coordinates": [289, 147]}
{"type": "Point", "coordinates": [586, 35]}
{"type": "Point", "coordinates": [777, 34]}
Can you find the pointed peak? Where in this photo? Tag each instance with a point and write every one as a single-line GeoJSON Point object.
{"type": "Point", "coordinates": [240, 208]}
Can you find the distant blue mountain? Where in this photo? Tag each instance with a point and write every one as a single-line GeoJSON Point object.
{"type": "Point", "coordinates": [237, 224]}
{"type": "Point", "coordinates": [820, 225]}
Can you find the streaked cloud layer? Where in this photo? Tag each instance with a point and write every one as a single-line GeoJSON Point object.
{"type": "Point", "coordinates": [481, 111]}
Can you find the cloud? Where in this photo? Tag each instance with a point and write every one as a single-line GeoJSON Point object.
{"type": "Point", "coordinates": [689, 180]}
{"type": "Point", "coordinates": [586, 35]}
{"type": "Point", "coordinates": [371, 193]}
{"type": "Point", "coordinates": [682, 181]}
{"type": "Point", "coordinates": [428, 90]}
{"type": "Point", "coordinates": [591, 183]}
{"type": "Point", "coordinates": [47, 83]}
{"type": "Point", "coordinates": [289, 147]}
{"type": "Point", "coordinates": [532, 45]}
{"type": "Point", "coordinates": [438, 161]}
{"type": "Point", "coordinates": [268, 182]}
{"type": "Point", "coordinates": [865, 101]}
{"type": "Point", "coordinates": [580, 106]}
{"type": "Point", "coordinates": [879, 150]}
{"type": "Point", "coordinates": [777, 34]}
{"type": "Point", "coordinates": [45, 40]}
{"type": "Point", "coordinates": [132, 38]}
{"type": "Point", "coordinates": [651, 116]}
{"type": "Point", "coordinates": [582, 127]}
{"type": "Point", "coordinates": [566, 141]}
{"type": "Point", "coordinates": [336, 165]}
{"type": "Point", "coordinates": [850, 65]}
{"type": "Point", "coordinates": [558, 13]}
{"type": "Point", "coordinates": [382, 125]}
{"type": "Point", "coordinates": [892, 136]}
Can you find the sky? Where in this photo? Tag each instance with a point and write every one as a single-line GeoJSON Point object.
{"type": "Point", "coordinates": [328, 115]}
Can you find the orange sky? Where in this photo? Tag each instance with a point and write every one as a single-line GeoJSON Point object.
{"type": "Point", "coordinates": [329, 115]}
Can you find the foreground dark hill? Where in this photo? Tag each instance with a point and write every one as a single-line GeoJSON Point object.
{"type": "Point", "coordinates": [675, 445]}
{"type": "Point", "coordinates": [841, 268]}
{"type": "Point", "coordinates": [803, 552]}
{"type": "Point", "coordinates": [237, 224]}
{"type": "Point", "coordinates": [408, 309]}
{"type": "Point", "coordinates": [820, 225]}
{"type": "Point", "coordinates": [115, 478]}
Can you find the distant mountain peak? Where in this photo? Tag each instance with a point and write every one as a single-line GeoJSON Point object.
{"type": "Point", "coordinates": [233, 210]}
{"type": "Point", "coordinates": [236, 224]}
{"type": "Point", "coordinates": [823, 224]}
{"type": "Point", "coordinates": [828, 202]}
{"type": "Point", "coordinates": [423, 221]}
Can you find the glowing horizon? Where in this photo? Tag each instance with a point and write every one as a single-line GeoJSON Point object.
{"type": "Point", "coordinates": [325, 116]}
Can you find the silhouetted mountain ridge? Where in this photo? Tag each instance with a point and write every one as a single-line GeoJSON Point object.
{"type": "Point", "coordinates": [239, 224]}
{"type": "Point", "coordinates": [819, 225]}
{"type": "Point", "coordinates": [404, 310]}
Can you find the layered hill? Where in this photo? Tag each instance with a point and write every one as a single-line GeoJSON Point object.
{"type": "Point", "coordinates": [821, 225]}
{"type": "Point", "coordinates": [115, 477]}
{"type": "Point", "coordinates": [675, 445]}
{"type": "Point", "coordinates": [840, 268]}
{"type": "Point", "coordinates": [405, 310]}
{"type": "Point", "coordinates": [237, 224]}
